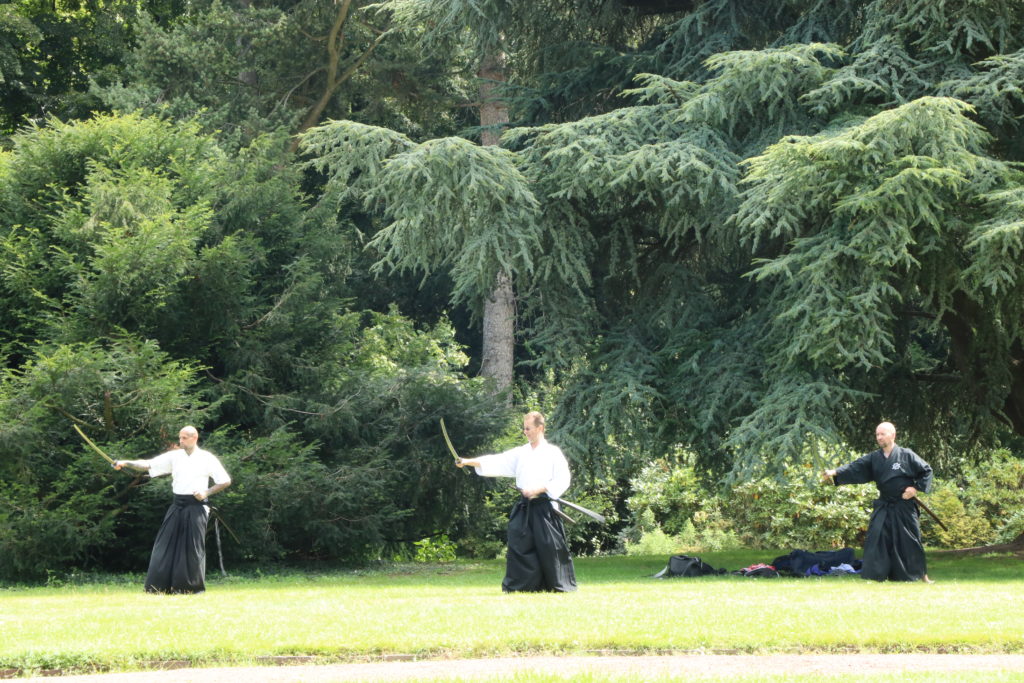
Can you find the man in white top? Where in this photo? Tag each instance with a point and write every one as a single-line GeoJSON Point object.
{"type": "Point", "coordinates": [178, 561]}
{"type": "Point", "coordinates": [538, 555]}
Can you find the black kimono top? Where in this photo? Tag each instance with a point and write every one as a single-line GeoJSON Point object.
{"type": "Point", "coordinates": [891, 475]}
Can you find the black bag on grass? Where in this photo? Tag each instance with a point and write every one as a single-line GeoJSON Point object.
{"type": "Point", "coordinates": [685, 565]}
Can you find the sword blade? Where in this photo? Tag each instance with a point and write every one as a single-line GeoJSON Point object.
{"type": "Point", "coordinates": [448, 441]}
{"type": "Point", "coordinates": [596, 516]}
{"type": "Point", "coordinates": [94, 446]}
{"type": "Point", "coordinates": [927, 509]}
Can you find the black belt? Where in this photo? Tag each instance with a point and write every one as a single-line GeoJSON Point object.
{"type": "Point", "coordinates": [181, 500]}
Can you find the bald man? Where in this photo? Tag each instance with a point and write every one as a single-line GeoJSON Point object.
{"type": "Point", "coordinates": [893, 548]}
{"type": "Point", "coordinates": [178, 561]}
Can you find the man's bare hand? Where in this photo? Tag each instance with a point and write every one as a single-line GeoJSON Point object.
{"type": "Point", "coordinates": [909, 492]}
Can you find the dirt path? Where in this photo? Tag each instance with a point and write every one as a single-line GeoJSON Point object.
{"type": "Point", "coordinates": [694, 665]}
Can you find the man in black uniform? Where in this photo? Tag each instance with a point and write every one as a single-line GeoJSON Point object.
{"type": "Point", "coordinates": [893, 548]}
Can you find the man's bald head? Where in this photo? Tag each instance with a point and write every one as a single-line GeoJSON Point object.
{"type": "Point", "coordinates": [188, 437]}
{"type": "Point", "coordinates": [885, 435]}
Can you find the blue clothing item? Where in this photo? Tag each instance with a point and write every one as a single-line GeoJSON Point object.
{"type": "Point", "coordinates": [798, 562]}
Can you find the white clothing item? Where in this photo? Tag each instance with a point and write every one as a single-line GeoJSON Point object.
{"type": "Point", "coordinates": [189, 473]}
{"type": "Point", "coordinates": [533, 468]}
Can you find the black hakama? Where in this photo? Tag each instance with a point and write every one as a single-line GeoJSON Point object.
{"type": "Point", "coordinates": [538, 555]}
{"type": "Point", "coordinates": [178, 561]}
{"type": "Point", "coordinates": [893, 549]}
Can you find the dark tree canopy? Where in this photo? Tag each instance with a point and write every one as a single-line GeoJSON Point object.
{"type": "Point", "coordinates": [801, 220]}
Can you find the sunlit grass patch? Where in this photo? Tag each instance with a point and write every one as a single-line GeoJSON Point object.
{"type": "Point", "coordinates": [458, 610]}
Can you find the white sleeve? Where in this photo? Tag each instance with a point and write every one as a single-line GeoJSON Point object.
{"type": "Point", "coordinates": [560, 476]}
{"type": "Point", "coordinates": [160, 465]}
{"type": "Point", "coordinates": [499, 465]}
{"type": "Point", "coordinates": [217, 471]}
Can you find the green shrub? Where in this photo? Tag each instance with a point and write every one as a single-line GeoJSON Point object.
{"type": "Point", "coordinates": [1012, 528]}
{"type": "Point", "coordinates": [712, 532]}
{"type": "Point", "coordinates": [995, 490]}
{"type": "Point", "coordinates": [41, 536]}
{"type": "Point", "coordinates": [585, 536]}
{"type": "Point", "coordinates": [965, 527]}
{"type": "Point", "coordinates": [655, 542]}
{"type": "Point", "coordinates": [672, 494]}
{"type": "Point", "coordinates": [799, 514]}
{"type": "Point", "coordinates": [670, 507]}
{"type": "Point", "coordinates": [761, 513]}
{"type": "Point", "coordinates": [439, 549]}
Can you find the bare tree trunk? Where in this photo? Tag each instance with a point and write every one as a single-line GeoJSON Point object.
{"type": "Point", "coordinates": [499, 333]}
{"type": "Point", "coordinates": [493, 111]}
{"type": "Point", "coordinates": [499, 307]}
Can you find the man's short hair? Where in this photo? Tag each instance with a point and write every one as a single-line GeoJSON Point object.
{"type": "Point", "coordinates": [537, 418]}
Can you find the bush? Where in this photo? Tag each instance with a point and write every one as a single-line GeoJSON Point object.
{"type": "Point", "coordinates": [1012, 529]}
{"type": "Point", "coordinates": [61, 505]}
{"type": "Point", "coordinates": [440, 549]}
{"type": "Point", "coordinates": [587, 537]}
{"type": "Point", "coordinates": [965, 527]}
{"type": "Point", "coordinates": [39, 537]}
{"type": "Point", "coordinates": [672, 494]}
{"type": "Point", "coordinates": [655, 542]}
{"type": "Point", "coordinates": [797, 513]}
{"type": "Point", "coordinates": [652, 541]}
{"type": "Point", "coordinates": [709, 530]}
{"type": "Point", "coordinates": [994, 490]}
{"type": "Point", "coordinates": [763, 513]}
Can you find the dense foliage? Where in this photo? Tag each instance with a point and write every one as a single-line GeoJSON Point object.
{"type": "Point", "coordinates": [152, 280]}
{"type": "Point", "coordinates": [743, 231]}
{"type": "Point", "coordinates": [799, 221]}
{"type": "Point", "coordinates": [674, 510]}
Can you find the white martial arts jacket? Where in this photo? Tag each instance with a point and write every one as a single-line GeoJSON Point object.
{"type": "Point", "coordinates": [533, 468]}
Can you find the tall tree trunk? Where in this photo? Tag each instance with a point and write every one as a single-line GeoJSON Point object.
{"type": "Point", "coordinates": [499, 333]}
{"type": "Point", "coordinates": [499, 307]}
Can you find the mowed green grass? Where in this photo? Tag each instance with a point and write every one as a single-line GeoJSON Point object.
{"type": "Point", "coordinates": [791, 677]}
{"type": "Point", "coordinates": [458, 610]}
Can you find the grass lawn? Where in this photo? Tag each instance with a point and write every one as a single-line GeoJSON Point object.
{"type": "Point", "coordinates": [896, 677]}
{"type": "Point", "coordinates": [458, 610]}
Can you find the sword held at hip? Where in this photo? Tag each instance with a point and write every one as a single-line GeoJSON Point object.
{"type": "Point", "coordinates": [921, 504]}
